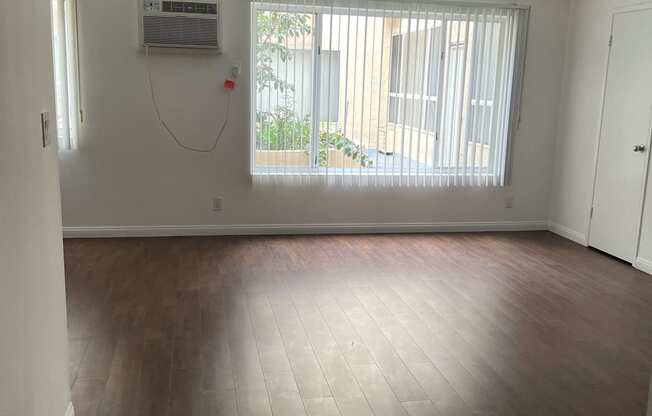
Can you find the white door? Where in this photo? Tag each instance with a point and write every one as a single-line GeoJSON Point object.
{"type": "Point", "coordinates": [625, 137]}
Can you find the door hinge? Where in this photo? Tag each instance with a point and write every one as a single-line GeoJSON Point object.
{"type": "Point", "coordinates": [319, 50]}
{"type": "Point", "coordinates": [611, 40]}
{"type": "Point", "coordinates": [443, 55]}
{"type": "Point", "coordinates": [591, 213]}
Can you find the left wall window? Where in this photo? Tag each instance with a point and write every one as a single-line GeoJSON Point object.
{"type": "Point", "coordinates": [66, 72]}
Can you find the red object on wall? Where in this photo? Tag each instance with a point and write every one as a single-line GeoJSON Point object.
{"type": "Point", "coordinates": [229, 84]}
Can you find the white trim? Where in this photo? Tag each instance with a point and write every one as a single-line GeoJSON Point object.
{"type": "Point", "coordinates": [598, 139]}
{"type": "Point", "coordinates": [568, 233]}
{"type": "Point", "coordinates": [70, 411]}
{"type": "Point", "coordinates": [644, 266]}
{"type": "Point", "coordinates": [298, 229]}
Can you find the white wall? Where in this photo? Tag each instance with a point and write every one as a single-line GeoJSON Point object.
{"type": "Point", "coordinates": [580, 109]}
{"type": "Point", "coordinates": [127, 172]}
{"type": "Point", "coordinates": [33, 341]}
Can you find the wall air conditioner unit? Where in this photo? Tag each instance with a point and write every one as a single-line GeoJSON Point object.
{"type": "Point", "coordinates": [181, 24]}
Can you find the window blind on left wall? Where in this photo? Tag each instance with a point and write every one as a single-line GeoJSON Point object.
{"type": "Point", "coordinates": [66, 72]}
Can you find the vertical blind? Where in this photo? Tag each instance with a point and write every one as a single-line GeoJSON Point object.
{"type": "Point", "coordinates": [66, 72]}
{"type": "Point", "coordinates": [385, 92]}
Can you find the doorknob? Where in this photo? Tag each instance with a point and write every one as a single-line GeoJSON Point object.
{"type": "Point", "coordinates": [639, 148]}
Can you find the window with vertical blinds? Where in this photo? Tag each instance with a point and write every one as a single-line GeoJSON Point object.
{"type": "Point", "coordinates": [385, 92]}
{"type": "Point", "coordinates": [66, 72]}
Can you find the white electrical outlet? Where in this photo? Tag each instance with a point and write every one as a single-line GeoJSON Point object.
{"type": "Point", "coordinates": [217, 204]}
{"type": "Point", "coordinates": [509, 202]}
{"type": "Point", "coordinates": [236, 70]}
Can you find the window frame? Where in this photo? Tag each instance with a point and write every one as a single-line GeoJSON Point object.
{"type": "Point", "coordinates": [314, 169]}
{"type": "Point", "coordinates": [426, 99]}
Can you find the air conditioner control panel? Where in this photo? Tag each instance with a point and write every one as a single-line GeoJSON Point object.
{"type": "Point", "coordinates": [185, 7]}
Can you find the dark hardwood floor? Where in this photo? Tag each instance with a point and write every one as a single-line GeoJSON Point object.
{"type": "Point", "coordinates": [459, 324]}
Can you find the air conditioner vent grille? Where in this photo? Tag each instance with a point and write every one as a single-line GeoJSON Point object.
{"type": "Point", "coordinates": [180, 31]}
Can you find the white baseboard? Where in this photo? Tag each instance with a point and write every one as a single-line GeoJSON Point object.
{"type": "Point", "coordinates": [70, 411]}
{"type": "Point", "coordinates": [570, 234]}
{"type": "Point", "coordinates": [297, 229]}
{"type": "Point", "coordinates": [643, 265]}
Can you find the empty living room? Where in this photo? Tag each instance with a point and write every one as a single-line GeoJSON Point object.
{"type": "Point", "coordinates": [326, 207]}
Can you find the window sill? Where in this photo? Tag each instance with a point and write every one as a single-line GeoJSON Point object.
{"type": "Point", "coordinates": [369, 172]}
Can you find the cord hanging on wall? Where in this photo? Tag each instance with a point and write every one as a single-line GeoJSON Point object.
{"type": "Point", "coordinates": [229, 85]}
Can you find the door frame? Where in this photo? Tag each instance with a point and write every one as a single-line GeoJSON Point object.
{"type": "Point", "coordinates": [632, 8]}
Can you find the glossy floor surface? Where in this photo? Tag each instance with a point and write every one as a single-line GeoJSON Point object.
{"type": "Point", "coordinates": [456, 324]}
